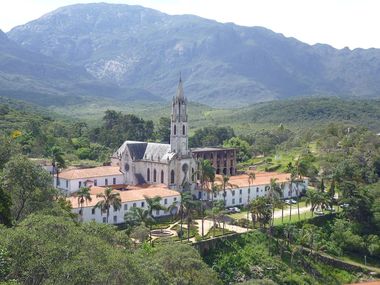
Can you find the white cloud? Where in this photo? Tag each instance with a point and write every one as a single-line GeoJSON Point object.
{"type": "Point", "coordinates": [340, 23]}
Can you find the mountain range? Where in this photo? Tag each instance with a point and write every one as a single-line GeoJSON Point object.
{"type": "Point", "coordinates": [126, 53]}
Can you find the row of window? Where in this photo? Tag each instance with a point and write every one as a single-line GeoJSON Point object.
{"type": "Point", "coordinates": [233, 192]}
{"type": "Point", "coordinates": [155, 175]}
{"type": "Point", "coordinates": [142, 205]}
{"type": "Point", "coordinates": [162, 178]}
{"type": "Point", "coordinates": [95, 182]}
{"type": "Point", "coordinates": [219, 155]}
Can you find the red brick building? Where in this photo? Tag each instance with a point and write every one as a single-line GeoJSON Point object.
{"type": "Point", "coordinates": [222, 159]}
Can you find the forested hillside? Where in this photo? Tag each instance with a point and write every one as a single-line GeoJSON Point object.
{"type": "Point", "coordinates": [132, 52]}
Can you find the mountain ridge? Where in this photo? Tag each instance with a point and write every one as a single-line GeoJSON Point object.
{"type": "Point", "coordinates": [223, 64]}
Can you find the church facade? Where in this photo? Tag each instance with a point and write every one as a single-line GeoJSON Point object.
{"type": "Point", "coordinates": [156, 163]}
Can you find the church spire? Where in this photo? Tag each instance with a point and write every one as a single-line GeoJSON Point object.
{"type": "Point", "coordinates": [179, 128]}
{"type": "Point", "coordinates": [180, 93]}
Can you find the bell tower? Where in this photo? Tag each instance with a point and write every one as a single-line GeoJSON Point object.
{"type": "Point", "coordinates": [179, 123]}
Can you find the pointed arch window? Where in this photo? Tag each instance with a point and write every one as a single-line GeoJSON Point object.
{"type": "Point", "coordinates": [175, 129]}
{"type": "Point", "coordinates": [154, 175]}
{"type": "Point", "coordinates": [183, 129]}
{"type": "Point", "coordinates": [162, 176]}
{"type": "Point", "coordinates": [172, 177]}
{"type": "Point", "coordinates": [148, 174]}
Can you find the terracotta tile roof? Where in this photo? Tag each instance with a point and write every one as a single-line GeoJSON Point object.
{"type": "Point", "coordinates": [134, 193]}
{"type": "Point", "coordinates": [206, 149]}
{"type": "Point", "coordinates": [82, 173]}
{"type": "Point", "coordinates": [368, 283]}
{"type": "Point", "coordinates": [262, 178]}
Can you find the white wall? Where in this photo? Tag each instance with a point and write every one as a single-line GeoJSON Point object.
{"type": "Point", "coordinates": [241, 196]}
{"type": "Point", "coordinates": [90, 214]}
{"type": "Point", "coordinates": [72, 185]}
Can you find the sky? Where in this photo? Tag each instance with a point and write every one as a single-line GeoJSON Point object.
{"type": "Point", "coordinates": [340, 23]}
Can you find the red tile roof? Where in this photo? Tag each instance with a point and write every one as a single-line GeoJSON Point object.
{"type": "Point", "coordinates": [133, 193]}
{"type": "Point", "coordinates": [83, 173]}
{"type": "Point", "coordinates": [262, 178]}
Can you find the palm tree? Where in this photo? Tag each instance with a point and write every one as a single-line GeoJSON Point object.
{"type": "Point", "coordinates": [216, 213]}
{"type": "Point", "coordinates": [293, 177]}
{"type": "Point", "coordinates": [274, 194]}
{"type": "Point", "coordinates": [173, 210]}
{"type": "Point", "coordinates": [186, 198]}
{"type": "Point", "coordinates": [154, 204]}
{"type": "Point", "coordinates": [260, 209]}
{"type": "Point", "coordinates": [225, 184]}
{"type": "Point", "coordinates": [317, 200]}
{"type": "Point", "coordinates": [206, 173]}
{"type": "Point", "coordinates": [311, 200]}
{"type": "Point", "coordinates": [251, 177]}
{"type": "Point", "coordinates": [137, 216]}
{"type": "Point", "coordinates": [84, 196]}
{"type": "Point", "coordinates": [214, 189]}
{"type": "Point", "coordinates": [109, 199]}
{"type": "Point", "coordinates": [253, 208]}
{"type": "Point", "coordinates": [280, 202]}
{"type": "Point", "coordinates": [57, 161]}
{"type": "Point", "coordinates": [191, 207]}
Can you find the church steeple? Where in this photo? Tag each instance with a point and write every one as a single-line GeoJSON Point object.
{"type": "Point", "coordinates": [179, 126]}
{"type": "Point", "coordinates": [180, 93]}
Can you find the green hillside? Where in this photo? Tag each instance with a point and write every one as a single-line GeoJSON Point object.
{"type": "Point", "coordinates": [295, 113]}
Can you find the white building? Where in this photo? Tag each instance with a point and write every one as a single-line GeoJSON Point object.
{"type": "Point", "coordinates": [69, 181]}
{"type": "Point", "coordinates": [242, 192]}
{"type": "Point", "coordinates": [132, 197]}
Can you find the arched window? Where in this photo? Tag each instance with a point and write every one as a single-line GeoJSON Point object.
{"type": "Point", "coordinates": [175, 129]}
{"type": "Point", "coordinates": [154, 175]}
{"type": "Point", "coordinates": [192, 175]}
{"type": "Point", "coordinates": [148, 174]}
{"type": "Point", "coordinates": [172, 177]}
{"type": "Point", "coordinates": [162, 176]}
{"type": "Point", "coordinates": [183, 130]}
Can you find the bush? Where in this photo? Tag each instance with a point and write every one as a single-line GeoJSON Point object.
{"type": "Point", "coordinates": [243, 222]}
{"type": "Point", "coordinates": [272, 168]}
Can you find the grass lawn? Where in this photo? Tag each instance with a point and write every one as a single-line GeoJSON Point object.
{"type": "Point", "coordinates": [243, 214]}
{"type": "Point", "coordinates": [303, 216]}
{"type": "Point", "coordinates": [218, 232]}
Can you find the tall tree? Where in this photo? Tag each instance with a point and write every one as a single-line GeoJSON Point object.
{"type": "Point", "coordinates": [83, 196]}
{"type": "Point", "coordinates": [225, 185]}
{"type": "Point", "coordinates": [251, 178]}
{"type": "Point", "coordinates": [163, 130]}
{"type": "Point", "coordinates": [5, 207]}
{"type": "Point", "coordinates": [57, 162]}
{"type": "Point", "coordinates": [261, 212]}
{"type": "Point", "coordinates": [154, 204]}
{"type": "Point", "coordinates": [110, 199]}
{"type": "Point", "coordinates": [274, 194]}
{"type": "Point", "coordinates": [28, 185]}
{"type": "Point", "coordinates": [186, 200]}
{"type": "Point", "coordinates": [137, 216]}
{"type": "Point", "coordinates": [206, 174]}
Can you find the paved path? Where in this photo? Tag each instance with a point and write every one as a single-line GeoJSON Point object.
{"type": "Point", "coordinates": [208, 224]}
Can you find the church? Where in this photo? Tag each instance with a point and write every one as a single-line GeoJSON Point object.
{"type": "Point", "coordinates": [156, 163]}
{"type": "Point", "coordinates": [143, 163]}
